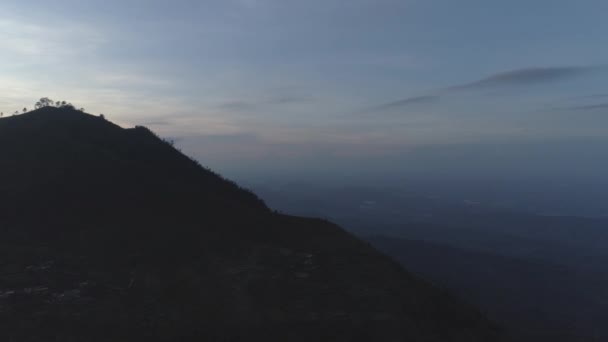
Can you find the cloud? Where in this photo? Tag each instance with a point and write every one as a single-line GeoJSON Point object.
{"type": "Point", "coordinates": [237, 105]}
{"type": "Point", "coordinates": [287, 99]}
{"type": "Point", "coordinates": [416, 100]}
{"type": "Point", "coordinates": [590, 107]}
{"type": "Point", "coordinates": [157, 123]}
{"type": "Point", "coordinates": [514, 78]}
{"type": "Point", "coordinates": [123, 78]}
{"type": "Point", "coordinates": [27, 41]}
{"type": "Point", "coordinates": [527, 76]}
{"type": "Point", "coordinates": [594, 96]}
{"type": "Point", "coordinates": [250, 105]}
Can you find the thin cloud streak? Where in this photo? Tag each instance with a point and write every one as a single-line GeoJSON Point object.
{"type": "Point", "coordinates": [250, 105]}
{"type": "Point", "coordinates": [527, 76]}
{"type": "Point", "coordinates": [594, 96]}
{"type": "Point", "coordinates": [517, 78]}
{"type": "Point", "coordinates": [424, 99]}
{"type": "Point", "coordinates": [590, 107]}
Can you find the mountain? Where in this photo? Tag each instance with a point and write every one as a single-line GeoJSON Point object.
{"type": "Point", "coordinates": [543, 278]}
{"type": "Point", "coordinates": [537, 301]}
{"type": "Point", "coordinates": [111, 234]}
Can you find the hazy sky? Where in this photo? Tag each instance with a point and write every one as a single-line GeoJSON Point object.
{"type": "Point", "coordinates": [317, 86]}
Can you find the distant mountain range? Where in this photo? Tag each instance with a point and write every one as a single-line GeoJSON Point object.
{"type": "Point", "coordinates": [111, 234]}
{"type": "Point", "coordinates": [542, 277]}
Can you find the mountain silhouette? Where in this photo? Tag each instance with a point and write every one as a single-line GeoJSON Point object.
{"type": "Point", "coordinates": [112, 234]}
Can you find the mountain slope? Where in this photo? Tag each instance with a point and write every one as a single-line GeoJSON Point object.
{"type": "Point", "coordinates": [110, 234]}
{"type": "Point", "coordinates": [536, 300]}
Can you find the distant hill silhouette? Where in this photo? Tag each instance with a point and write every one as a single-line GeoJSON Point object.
{"type": "Point", "coordinates": [111, 234]}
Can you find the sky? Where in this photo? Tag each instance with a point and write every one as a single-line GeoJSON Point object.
{"type": "Point", "coordinates": [361, 89]}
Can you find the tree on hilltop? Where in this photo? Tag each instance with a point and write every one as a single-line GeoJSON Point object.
{"type": "Point", "coordinates": [47, 102]}
{"type": "Point", "coordinates": [44, 102]}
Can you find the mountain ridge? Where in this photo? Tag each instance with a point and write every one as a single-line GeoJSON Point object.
{"type": "Point", "coordinates": [116, 235]}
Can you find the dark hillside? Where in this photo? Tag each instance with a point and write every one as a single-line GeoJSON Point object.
{"type": "Point", "coordinates": [538, 301]}
{"type": "Point", "coordinates": [64, 156]}
{"type": "Point", "coordinates": [111, 234]}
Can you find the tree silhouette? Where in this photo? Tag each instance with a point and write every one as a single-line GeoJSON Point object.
{"type": "Point", "coordinates": [25, 109]}
{"type": "Point", "coordinates": [44, 102]}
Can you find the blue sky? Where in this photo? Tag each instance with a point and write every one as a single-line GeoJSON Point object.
{"type": "Point", "coordinates": [320, 85]}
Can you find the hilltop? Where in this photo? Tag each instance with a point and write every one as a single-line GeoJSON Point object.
{"type": "Point", "coordinates": [112, 234]}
